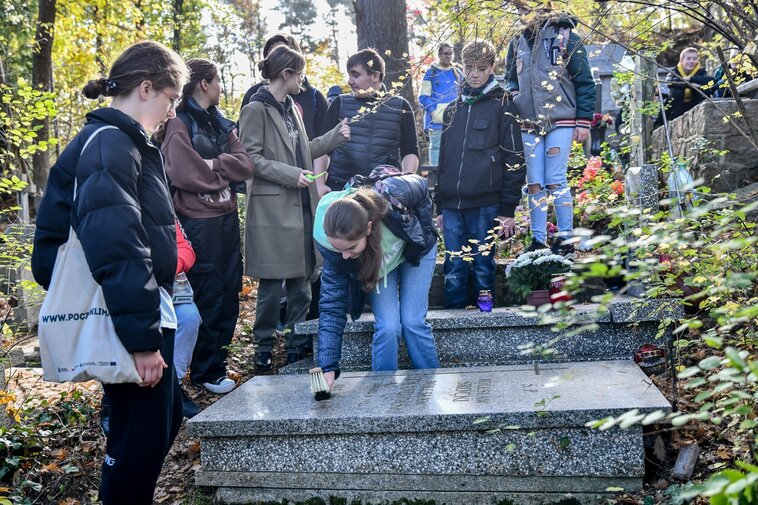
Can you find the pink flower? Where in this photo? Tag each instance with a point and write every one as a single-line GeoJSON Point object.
{"type": "Point", "coordinates": [617, 187]}
{"type": "Point", "coordinates": [589, 173]}
{"type": "Point", "coordinates": [583, 196]}
{"type": "Point", "coordinates": [551, 228]}
{"type": "Point", "coordinates": [595, 162]}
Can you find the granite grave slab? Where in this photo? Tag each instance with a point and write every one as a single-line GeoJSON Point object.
{"type": "Point", "coordinates": [509, 335]}
{"type": "Point", "coordinates": [457, 435]}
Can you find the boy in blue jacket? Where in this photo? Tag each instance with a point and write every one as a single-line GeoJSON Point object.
{"type": "Point", "coordinates": [438, 89]}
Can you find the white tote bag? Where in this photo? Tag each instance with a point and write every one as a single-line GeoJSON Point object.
{"type": "Point", "coordinates": [77, 338]}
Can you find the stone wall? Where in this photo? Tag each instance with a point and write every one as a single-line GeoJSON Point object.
{"type": "Point", "coordinates": [704, 127]}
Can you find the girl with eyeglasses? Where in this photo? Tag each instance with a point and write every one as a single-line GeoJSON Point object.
{"type": "Point", "coordinates": [121, 211]}
{"type": "Point", "coordinates": [205, 162]}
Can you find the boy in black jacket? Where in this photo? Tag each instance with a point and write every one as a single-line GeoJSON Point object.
{"type": "Point", "coordinates": [481, 172]}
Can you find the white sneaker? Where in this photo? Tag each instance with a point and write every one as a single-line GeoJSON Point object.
{"type": "Point", "coordinates": [221, 385]}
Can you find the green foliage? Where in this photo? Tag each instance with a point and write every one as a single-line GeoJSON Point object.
{"type": "Point", "coordinates": [708, 257]}
{"type": "Point", "coordinates": [21, 110]}
{"type": "Point", "coordinates": [727, 487]}
{"type": "Point", "coordinates": [298, 16]}
{"type": "Point", "coordinates": [16, 32]}
{"type": "Point", "coordinates": [34, 467]}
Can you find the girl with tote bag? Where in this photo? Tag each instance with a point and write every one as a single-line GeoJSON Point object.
{"type": "Point", "coordinates": [113, 196]}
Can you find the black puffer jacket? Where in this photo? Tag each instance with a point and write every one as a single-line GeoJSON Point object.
{"type": "Point", "coordinates": [374, 139]}
{"type": "Point", "coordinates": [123, 217]}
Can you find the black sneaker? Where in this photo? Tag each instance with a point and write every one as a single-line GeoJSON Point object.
{"type": "Point", "coordinates": [262, 360]}
{"type": "Point", "coordinates": [536, 245]}
{"type": "Point", "coordinates": [295, 355]}
{"type": "Point", "coordinates": [189, 408]}
{"type": "Point", "coordinates": [564, 248]}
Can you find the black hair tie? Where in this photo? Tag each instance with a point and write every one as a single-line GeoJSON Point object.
{"type": "Point", "coordinates": [111, 88]}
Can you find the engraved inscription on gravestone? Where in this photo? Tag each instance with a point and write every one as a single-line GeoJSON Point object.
{"type": "Point", "coordinates": [480, 389]}
{"type": "Point", "coordinates": [412, 392]}
{"type": "Point", "coordinates": [405, 394]}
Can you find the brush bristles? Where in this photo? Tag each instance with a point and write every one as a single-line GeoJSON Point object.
{"type": "Point", "coordinates": [319, 387]}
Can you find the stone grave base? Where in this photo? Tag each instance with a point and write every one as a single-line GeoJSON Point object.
{"type": "Point", "coordinates": [236, 496]}
{"type": "Point", "coordinates": [508, 335]}
{"type": "Point", "coordinates": [509, 434]}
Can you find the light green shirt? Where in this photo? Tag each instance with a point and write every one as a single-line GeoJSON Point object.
{"type": "Point", "coordinates": [392, 245]}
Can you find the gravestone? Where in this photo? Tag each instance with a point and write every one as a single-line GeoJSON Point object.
{"type": "Point", "coordinates": [509, 335]}
{"type": "Point", "coordinates": [605, 58]}
{"type": "Point", "coordinates": [16, 277]}
{"type": "Point", "coordinates": [428, 435]}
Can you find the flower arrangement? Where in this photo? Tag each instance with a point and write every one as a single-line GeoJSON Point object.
{"type": "Point", "coordinates": [533, 271]}
{"type": "Point", "coordinates": [601, 120]}
{"type": "Point", "coordinates": [597, 191]}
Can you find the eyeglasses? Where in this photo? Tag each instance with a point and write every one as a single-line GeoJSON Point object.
{"type": "Point", "coordinates": [174, 101]}
{"type": "Point", "coordinates": [300, 74]}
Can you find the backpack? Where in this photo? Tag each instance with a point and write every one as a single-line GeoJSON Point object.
{"type": "Point", "coordinates": [402, 217]}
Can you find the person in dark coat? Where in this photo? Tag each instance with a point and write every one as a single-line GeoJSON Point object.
{"type": "Point", "coordinates": [383, 126]}
{"type": "Point", "coordinates": [547, 72]}
{"type": "Point", "coordinates": [115, 195]}
{"type": "Point", "coordinates": [688, 84]}
{"type": "Point", "coordinates": [481, 173]}
{"type": "Point", "coordinates": [204, 161]}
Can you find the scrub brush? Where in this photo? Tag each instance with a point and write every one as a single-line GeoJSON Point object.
{"type": "Point", "coordinates": [319, 387]}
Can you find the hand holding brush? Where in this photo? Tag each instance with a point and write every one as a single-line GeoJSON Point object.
{"type": "Point", "coordinates": [320, 388]}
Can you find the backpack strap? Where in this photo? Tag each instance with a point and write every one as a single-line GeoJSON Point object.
{"type": "Point", "coordinates": [190, 125]}
{"type": "Point", "coordinates": [87, 143]}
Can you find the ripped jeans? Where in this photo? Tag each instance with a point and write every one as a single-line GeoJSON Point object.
{"type": "Point", "coordinates": [546, 164]}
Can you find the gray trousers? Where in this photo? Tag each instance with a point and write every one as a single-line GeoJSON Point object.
{"type": "Point", "coordinates": [268, 307]}
{"type": "Point", "coordinates": [298, 291]}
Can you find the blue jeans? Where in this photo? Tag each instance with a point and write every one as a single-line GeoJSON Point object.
{"type": "Point", "coordinates": [187, 326]}
{"type": "Point", "coordinates": [435, 137]}
{"type": "Point", "coordinates": [400, 302]}
{"type": "Point", "coordinates": [549, 171]}
{"type": "Point", "coordinates": [458, 227]}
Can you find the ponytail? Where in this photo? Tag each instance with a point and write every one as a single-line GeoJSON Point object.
{"type": "Point", "coordinates": [349, 218]}
{"type": "Point", "coordinates": [143, 61]}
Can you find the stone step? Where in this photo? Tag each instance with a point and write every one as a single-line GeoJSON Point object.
{"type": "Point", "coordinates": [428, 434]}
{"type": "Point", "coordinates": [509, 335]}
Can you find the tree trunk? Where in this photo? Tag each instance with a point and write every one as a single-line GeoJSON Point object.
{"type": "Point", "coordinates": [178, 4]}
{"type": "Point", "coordinates": [382, 25]}
{"type": "Point", "coordinates": [42, 78]}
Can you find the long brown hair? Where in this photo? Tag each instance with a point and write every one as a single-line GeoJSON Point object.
{"type": "Point", "coordinates": [280, 38]}
{"type": "Point", "coordinates": [143, 61]}
{"type": "Point", "coordinates": [348, 219]}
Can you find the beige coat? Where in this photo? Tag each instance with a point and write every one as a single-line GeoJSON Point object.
{"type": "Point", "coordinates": [274, 230]}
